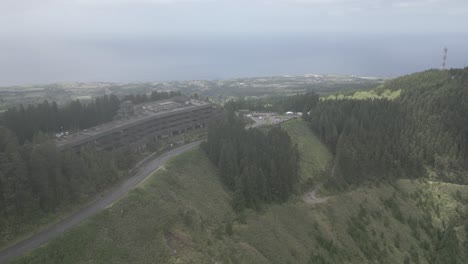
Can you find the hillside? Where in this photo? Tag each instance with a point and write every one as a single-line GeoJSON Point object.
{"type": "Point", "coordinates": [182, 214]}
{"type": "Point", "coordinates": [422, 133]}
{"type": "Point", "coordinates": [314, 155]}
{"type": "Point", "coordinates": [390, 176]}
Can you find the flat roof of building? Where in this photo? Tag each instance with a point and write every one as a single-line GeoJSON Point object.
{"type": "Point", "coordinates": [143, 112]}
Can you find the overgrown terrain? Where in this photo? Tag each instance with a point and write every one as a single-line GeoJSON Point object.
{"type": "Point", "coordinates": [39, 183]}
{"type": "Point", "coordinates": [424, 130]}
{"type": "Point", "coordinates": [259, 167]}
{"type": "Point", "coordinates": [183, 214]}
{"type": "Point", "coordinates": [395, 174]}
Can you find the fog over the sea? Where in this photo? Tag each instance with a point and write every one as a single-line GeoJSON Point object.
{"type": "Point", "coordinates": [158, 40]}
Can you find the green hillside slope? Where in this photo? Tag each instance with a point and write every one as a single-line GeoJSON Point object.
{"type": "Point", "coordinates": [314, 156]}
{"type": "Point", "coordinates": [423, 133]}
{"type": "Point", "coordinates": [182, 214]}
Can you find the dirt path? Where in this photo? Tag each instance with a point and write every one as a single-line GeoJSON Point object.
{"type": "Point", "coordinates": [146, 168]}
{"type": "Point", "coordinates": [311, 197]}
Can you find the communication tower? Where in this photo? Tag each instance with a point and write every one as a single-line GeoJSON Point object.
{"type": "Point", "coordinates": [444, 58]}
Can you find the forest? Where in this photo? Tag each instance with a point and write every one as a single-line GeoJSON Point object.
{"type": "Point", "coordinates": [27, 121]}
{"type": "Point", "coordinates": [36, 178]}
{"type": "Point", "coordinates": [279, 104]}
{"type": "Point", "coordinates": [259, 167]}
{"type": "Point", "coordinates": [367, 140]}
{"type": "Point", "coordinates": [422, 133]}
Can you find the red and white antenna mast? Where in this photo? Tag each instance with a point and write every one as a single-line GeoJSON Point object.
{"type": "Point", "coordinates": [444, 58]}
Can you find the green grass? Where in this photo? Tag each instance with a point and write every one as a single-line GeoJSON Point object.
{"type": "Point", "coordinates": [291, 232]}
{"type": "Point", "coordinates": [182, 214]}
{"type": "Point", "coordinates": [314, 155]}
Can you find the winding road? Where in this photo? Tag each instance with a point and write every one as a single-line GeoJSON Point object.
{"type": "Point", "coordinates": [142, 170]}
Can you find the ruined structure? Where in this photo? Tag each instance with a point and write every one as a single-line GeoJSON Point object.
{"type": "Point", "coordinates": [148, 121]}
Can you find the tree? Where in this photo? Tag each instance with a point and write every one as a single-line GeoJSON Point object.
{"type": "Point", "coordinates": [258, 167]}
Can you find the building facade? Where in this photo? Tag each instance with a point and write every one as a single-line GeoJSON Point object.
{"type": "Point", "coordinates": [149, 121]}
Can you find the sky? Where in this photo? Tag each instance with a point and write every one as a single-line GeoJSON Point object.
{"type": "Point", "coordinates": [70, 17]}
{"type": "Point", "coordinates": [38, 34]}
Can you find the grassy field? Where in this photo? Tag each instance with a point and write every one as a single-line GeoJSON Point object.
{"type": "Point", "coordinates": [314, 156]}
{"type": "Point", "coordinates": [182, 214]}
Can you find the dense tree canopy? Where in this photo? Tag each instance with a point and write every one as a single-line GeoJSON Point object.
{"type": "Point", "coordinates": [295, 103]}
{"type": "Point", "coordinates": [366, 139]}
{"type": "Point", "coordinates": [155, 96]}
{"type": "Point", "coordinates": [47, 117]}
{"type": "Point", "coordinates": [426, 127]}
{"type": "Point", "coordinates": [38, 179]}
{"type": "Point", "coordinates": [258, 167]}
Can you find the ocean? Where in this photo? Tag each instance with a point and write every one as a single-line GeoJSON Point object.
{"type": "Point", "coordinates": [110, 58]}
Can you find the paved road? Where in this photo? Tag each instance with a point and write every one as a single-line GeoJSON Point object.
{"type": "Point", "coordinates": [146, 168]}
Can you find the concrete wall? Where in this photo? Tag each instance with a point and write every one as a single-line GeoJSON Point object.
{"type": "Point", "coordinates": [137, 134]}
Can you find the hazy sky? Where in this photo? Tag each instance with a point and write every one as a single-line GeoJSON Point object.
{"type": "Point", "coordinates": [39, 33]}
{"type": "Point", "coordinates": [65, 17]}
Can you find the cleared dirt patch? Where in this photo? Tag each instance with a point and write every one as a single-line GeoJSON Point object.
{"type": "Point", "coordinates": [311, 197]}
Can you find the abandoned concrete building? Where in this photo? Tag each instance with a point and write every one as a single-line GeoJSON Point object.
{"type": "Point", "coordinates": [139, 123]}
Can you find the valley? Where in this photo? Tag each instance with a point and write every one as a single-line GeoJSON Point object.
{"type": "Point", "coordinates": [182, 214]}
{"type": "Point", "coordinates": [369, 176]}
{"type": "Point", "coordinates": [234, 132]}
